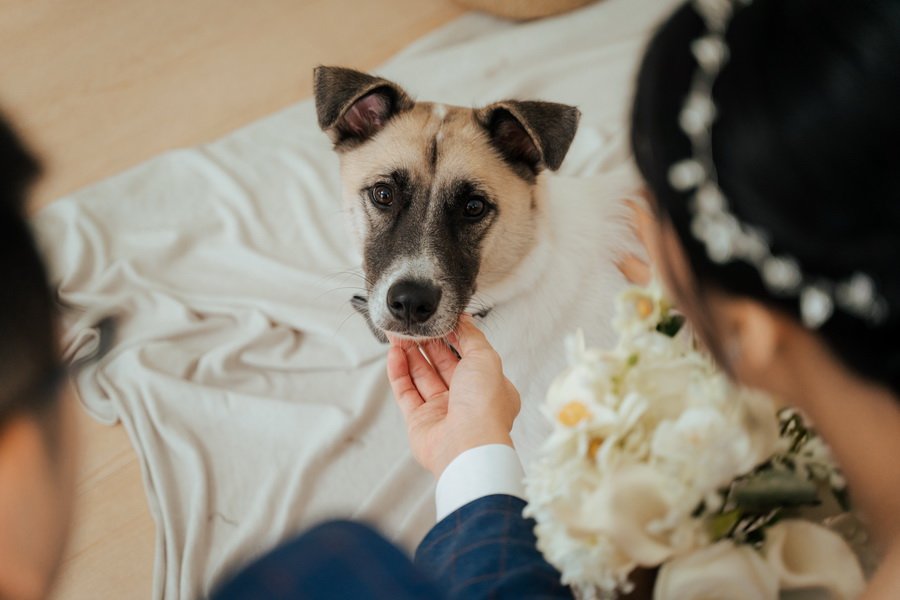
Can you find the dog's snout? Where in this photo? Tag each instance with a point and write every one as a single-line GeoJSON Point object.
{"type": "Point", "coordinates": [413, 301]}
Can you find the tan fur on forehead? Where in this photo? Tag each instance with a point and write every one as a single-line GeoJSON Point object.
{"type": "Point", "coordinates": [464, 151]}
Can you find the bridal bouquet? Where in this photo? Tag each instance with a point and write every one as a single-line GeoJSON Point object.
{"type": "Point", "coordinates": [657, 460]}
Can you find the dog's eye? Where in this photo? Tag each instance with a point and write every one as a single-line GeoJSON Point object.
{"type": "Point", "coordinates": [475, 208]}
{"type": "Point", "coordinates": [382, 195]}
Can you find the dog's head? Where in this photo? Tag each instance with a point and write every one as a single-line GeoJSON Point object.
{"type": "Point", "coordinates": [442, 199]}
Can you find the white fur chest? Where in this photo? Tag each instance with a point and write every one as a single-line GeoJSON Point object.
{"type": "Point", "coordinates": [569, 282]}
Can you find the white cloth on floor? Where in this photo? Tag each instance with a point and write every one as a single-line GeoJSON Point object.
{"type": "Point", "coordinates": [254, 396]}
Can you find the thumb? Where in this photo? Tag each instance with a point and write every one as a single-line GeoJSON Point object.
{"type": "Point", "coordinates": [470, 339]}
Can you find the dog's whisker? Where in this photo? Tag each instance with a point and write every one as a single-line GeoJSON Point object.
{"type": "Point", "coordinates": [332, 276]}
{"type": "Point", "coordinates": [344, 321]}
{"type": "Point", "coordinates": [344, 287]}
{"type": "Point", "coordinates": [337, 290]}
{"type": "Point", "coordinates": [352, 273]}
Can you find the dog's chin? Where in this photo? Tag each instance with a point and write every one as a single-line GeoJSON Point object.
{"type": "Point", "coordinates": [416, 334]}
{"type": "Point", "coordinates": [424, 333]}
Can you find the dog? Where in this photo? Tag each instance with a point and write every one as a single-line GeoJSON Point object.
{"type": "Point", "coordinates": [444, 200]}
{"type": "Point", "coordinates": [454, 210]}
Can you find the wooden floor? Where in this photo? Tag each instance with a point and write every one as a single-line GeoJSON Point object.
{"type": "Point", "coordinates": [97, 86]}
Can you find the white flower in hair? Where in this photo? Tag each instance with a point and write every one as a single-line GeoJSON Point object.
{"type": "Point", "coordinates": [725, 237]}
{"type": "Point", "coordinates": [781, 273]}
{"type": "Point", "coordinates": [698, 114]}
{"type": "Point", "coordinates": [711, 52]}
{"type": "Point", "coordinates": [716, 13]}
{"type": "Point", "coordinates": [816, 306]}
{"type": "Point", "coordinates": [686, 175]}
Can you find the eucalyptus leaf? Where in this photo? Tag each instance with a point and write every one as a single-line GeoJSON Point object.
{"type": "Point", "coordinates": [768, 490]}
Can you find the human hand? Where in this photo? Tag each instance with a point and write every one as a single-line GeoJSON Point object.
{"type": "Point", "coordinates": [452, 404]}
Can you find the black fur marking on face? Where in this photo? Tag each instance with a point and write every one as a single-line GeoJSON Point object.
{"type": "Point", "coordinates": [459, 193]}
{"type": "Point", "coordinates": [431, 229]}
{"type": "Point", "coordinates": [457, 244]}
{"type": "Point", "coordinates": [433, 154]}
{"type": "Point", "coordinates": [398, 182]}
{"type": "Point", "coordinates": [392, 231]}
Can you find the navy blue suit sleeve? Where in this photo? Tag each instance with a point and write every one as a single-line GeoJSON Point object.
{"type": "Point", "coordinates": [487, 549]}
{"type": "Point", "coordinates": [339, 560]}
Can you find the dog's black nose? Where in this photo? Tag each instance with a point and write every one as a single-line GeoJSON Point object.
{"type": "Point", "coordinates": [413, 301]}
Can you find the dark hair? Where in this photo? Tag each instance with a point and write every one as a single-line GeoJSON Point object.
{"type": "Point", "coordinates": [806, 146]}
{"type": "Point", "coordinates": [29, 362]}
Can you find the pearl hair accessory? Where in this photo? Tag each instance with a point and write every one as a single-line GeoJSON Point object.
{"type": "Point", "coordinates": [726, 238]}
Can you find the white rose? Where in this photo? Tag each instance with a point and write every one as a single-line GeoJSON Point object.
{"type": "Point", "coordinates": [707, 450]}
{"type": "Point", "coordinates": [585, 558]}
{"type": "Point", "coordinates": [804, 554]}
{"type": "Point", "coordinates": [627, 508]}
{"type": "Point", "coordinates": [722, 570]}
{"type": "Point", "coordinates": [668, 383]}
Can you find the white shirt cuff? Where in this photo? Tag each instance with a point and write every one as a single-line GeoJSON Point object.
{"type": "Point", "coordinates": [476, 473]}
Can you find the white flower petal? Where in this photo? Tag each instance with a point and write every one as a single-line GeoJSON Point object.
{"type": "Point", "coordinates": [806, 555]}
{"type": "Point", "coordinates": [722, 570]}
{"type": "Point", "coordinates": [631, 500]}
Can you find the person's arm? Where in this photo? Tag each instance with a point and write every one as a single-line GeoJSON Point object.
{"type": "Point", "coordinates": [486, 549]}
{"type": "Point", "coordinates": [482, 546]}
{"type": "Point", "coordinates": [459, 412]}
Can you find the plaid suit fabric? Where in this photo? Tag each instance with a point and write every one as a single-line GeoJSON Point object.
{"type": "Point", "coordinates": [339, 560]}
{"type": "Point", "coordinates": [487, 549]}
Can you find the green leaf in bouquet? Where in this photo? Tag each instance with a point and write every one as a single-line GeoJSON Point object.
{"type": "Point", "coordinates": [722, 524]}
{"type": "Point", "coordinates": [773, 489]}
{"type": "Point", "coordinates": [793, 428]}
{"type": "Point", "coordinates": [670, 325]}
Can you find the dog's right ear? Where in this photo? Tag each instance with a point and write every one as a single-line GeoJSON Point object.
{"type": "Point", "coordinates": [531, 136]}
{"type": "Point", "coordinates": [353, 106]}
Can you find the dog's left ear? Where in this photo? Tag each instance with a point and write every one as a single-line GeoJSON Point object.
{"type": "Point", "coordinates": [352, 106]}
{"type": "Point", "coordinates": [534, 135]}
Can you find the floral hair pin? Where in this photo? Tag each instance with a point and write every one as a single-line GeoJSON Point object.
{"type": "Point", "coordinates": [725, 237]}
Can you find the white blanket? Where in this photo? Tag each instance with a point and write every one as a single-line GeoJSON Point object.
{"type": "Point", "coordinates": [256, 399]}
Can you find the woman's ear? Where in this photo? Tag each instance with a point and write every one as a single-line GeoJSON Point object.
{"type": "Point", "coordinates": [753, 339]}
